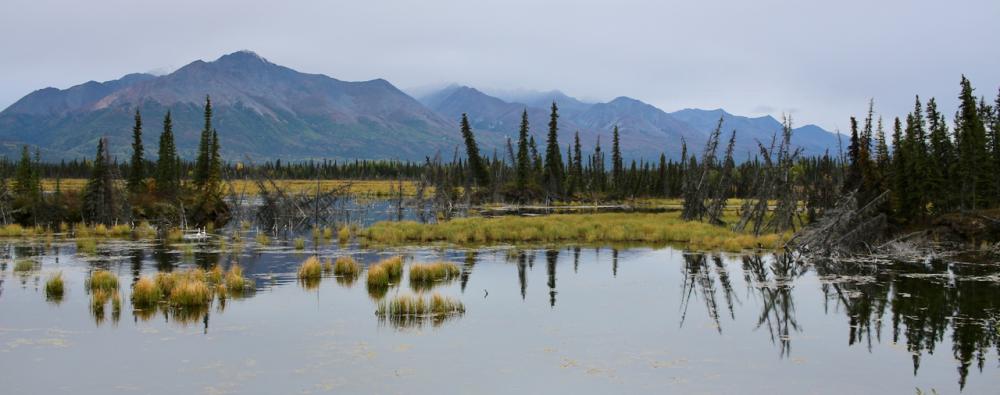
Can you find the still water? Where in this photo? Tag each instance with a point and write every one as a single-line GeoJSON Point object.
{"type": "Point", "coordinates": [542, 319]}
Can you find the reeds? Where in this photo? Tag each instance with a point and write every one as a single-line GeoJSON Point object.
{"type": "Point", "coordinates": [86, 245]}
{"type": "Point", "coordinates": [54, 287]}
{"type": "Point", "coordinates": [311, 269]}
{"type": "Point", "coordinates": [24, 265]}
{"type": "Point", "coordinates": [346, 266]}
{"type": "Point", "coordinates": [405, 310]}
{"type": "Point", "coordinates": [190, 292]}
{"type": "Point", "coordinates": [300, 243]}
{"type": "Point", "coordinates": [146, 293]}
{"type": "Point", "coordinates": [235, 282]}
{"type": "Point", "coordinates": [579, 228]}
{"type": "Point", "coordinates": [383, 274]}
{"type": "Point", "coordinates": [102, 280]}
{"type": "Point", "coordinates": [431, 272]}
{"type": "Point", "coordinates": [344, 234]}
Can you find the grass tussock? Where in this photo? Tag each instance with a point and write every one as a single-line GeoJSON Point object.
{"type": "Point", "coordinates": [429, 273]}
{"type": "Point", "coordinates": [54, 287]}
{"type": "Point", "coordinates": [575, 228]}
{"type": "Point", "coordinates": [383, 274]}
{"type": "Point", "coordinates": [344, 234]}
{"type": "Point", "coordinates": [146, 293]}
{"type": "Point", "coordinates": [311, 269]}
{"type": "Point", "coordinates": [407, 310]}
{"type": "Point", "coordinates": [300, 243]}
{"type": "Point", "coordinates": [24, 265]}
{"type": "Point", "coordinates": [236, 283]}
{"type": "Point", "coordinates": [102, 280]}
{"type": "Point", "coordinates": [346, 266]}
{"type": "Point", "coordinates": [262, 240]}
{"type": "Point", "coordinates": [190, 292]}
{"type": "Point", "coordinates": [86, 245]}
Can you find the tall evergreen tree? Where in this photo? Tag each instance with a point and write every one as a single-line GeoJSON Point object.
{"type": "Point", "coordinates": [617, 167]}
{"type": "Point", "coordinates": [553, 156]}
{"type": "Point", "coordinates": [137, 165]}
{"type": "Point", "coordinates": [203, 162]}
{"type": "Point", "coordinates": [168, 164]}
{"type": "Point", "coordinates": [99, 197]}
{"type": "Point", "coordinates": [523, 176]}
{"type": "Point", "coordinates": [854, 170]}
{"type": "Point", "coordinates": [974, 165]}
{"type": "Point", "coordinates": [476, 166]}
{"type": "Point", "coordinates": [940, 161]}
{"type": "Point", "coordinates": [26, 181]}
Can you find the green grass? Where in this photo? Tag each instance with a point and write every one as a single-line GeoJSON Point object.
{"type": "Point", "coordinates": [573, 228]}
{"type": "Point", "coordinates": [423, 275]}
{"type": "Point", "coordinates": [86, 245]}
{"type": "Point", "coordinates": [102, 280]}
{"type": "Point", "coordinates": [311, 269]}
{"type": "Point", "coordinates": [54, 287]}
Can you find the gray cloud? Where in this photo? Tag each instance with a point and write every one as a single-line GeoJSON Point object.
{"type": "Point", "coordinates": [824, 58]}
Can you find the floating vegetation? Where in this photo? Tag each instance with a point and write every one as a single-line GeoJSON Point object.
{"type": "Point", "coordinates": [54, 287]}
{"type": "Point", "coordinates": [102, 280]}
{"type": "Point", "coordinates": [262, 240]}
{"type": "Point", "coordinates": [24, 265]}
{"type": "Point", "coordinates": [86, 246]}
{"type": "Point", "coordinates": [437, 271]}
{"type": "Point", "coordinates": [383, 274]}
{"type": "Point", "coordinates": [311, 268]}
{"type": "Point", "coordinates": [189, 291]}
{"type": "Point", "coordinates": [344, 234]}
{"type": "Point", "coordinates": [413, 310]}
{"type": "Point", "coordinates": [300, 243]}
{"type": "Point", "coordinates": [146, 293]}
{"type": "Point", "coordinates": [583, 228]}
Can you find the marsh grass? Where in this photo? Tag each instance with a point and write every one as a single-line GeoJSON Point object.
{"type": "Point", "coordinates": [190, 292]}
{"type": "Point", "coordinates": [327, 232]}
{"type": "Point", "coordinates": [236, 283]}
{"type": "Point", "coordinates": [86, 245]}
{"type": "Point", "coordinates": [54, 287]}
{"type": "Point", "coordinates": [344, 234]}
{"type": "Point", "coordinates": [262, 240]}
{"type": "Point", "coordinates": [576, 228]}
{"type": "Point", "coordinates": [384, 274]}
{"type": "Point", "coordinates": [409, 310]}
{"type": "Point", "coordinates": [346, 266]}
{"type": "Point", "coordinates": [146, 293]}
{"type": "Point", "coordinates": [102, 280]}
{"type": "Point", "coordinates": [425, 275]}
{"type": "Point", "coordinates": [24, 265]}
{"type": "Point", "coordinates": [300, 243]}
{"type": "Point", "coordinates": [311, 268]}
{"type": "Point", "coordinates": [215, 275]}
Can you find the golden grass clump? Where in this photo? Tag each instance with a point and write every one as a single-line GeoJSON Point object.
{"type": "Point", "coordinates": [344, 234]}
{"type": "Point", "coordinates": [300, 243]}
{"type": "Point", "coordinates": [215, 275]}
{"type": "Point", "coordinates": [428, 273]}
{"type": "Point", "coordinates": [235, 282]}
{"type": "Point", "coordinates": [146, 293]}
{"type": "Point", "coordinates": [311, 268]}
{"type": "Point", "coordinates": [190, 292]}
{"type": "Point", "coordinates": [406, 310]}
{"type": "Point", "coordinates": [380, 275]}
{"type": "Point", "coordinates": [175, 235]}
{"type": "Point", "coordinates": [327, 232]}
{"type": "Point", "coordinates": [54, 287]}
{"type": "Point", "coordinates": [346, 266]}
{"type": "Point", "coordinates": [102, 280]}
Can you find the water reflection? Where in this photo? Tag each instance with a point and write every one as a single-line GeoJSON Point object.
{"type": "Point", "coordinates": [922, 307]}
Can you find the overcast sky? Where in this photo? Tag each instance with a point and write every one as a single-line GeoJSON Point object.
{"type": "Point", "coordinates": [819, 60]}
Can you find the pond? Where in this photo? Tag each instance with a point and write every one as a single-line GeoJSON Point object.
{"type": "Point", "coordinates": [541, 319]}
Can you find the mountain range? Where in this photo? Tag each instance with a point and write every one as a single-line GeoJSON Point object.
{"type": "Point", "coordinates": [267, 111]}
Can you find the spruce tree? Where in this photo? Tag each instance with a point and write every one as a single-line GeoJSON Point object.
{"type": "Point", "coordinates": [577, 165]}
{"type": "Point", "coordinates": [202, 163]}
{"type": "Point", "coordinates": [974, 165]}
{"type": "Point", "coordinates": [940, 161]}
{"type": "Point", "coordinates": [26, 182]}
{"type": "Point", "coordinates": [854, 170]}
{"type": "Point", "coordinates": [523, 176]}
{"type": "Point", "coordinates": [167, 165]}
{"type": "Point", "coordinates": [536, 158]}
{"type": "Point", "coordinates": [553, 157]}
{"type": "Point", "coordinates": [137, 165]}
{"type": "Point", "coordinates": [99, 200]}
{"type": "Point", "coordinates": [617, 168]}
{"type": "Point", "coordinates": [476, 166]}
